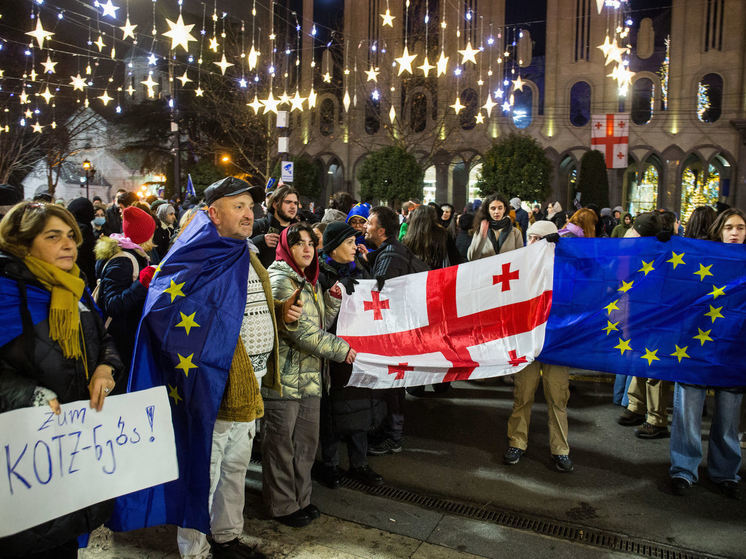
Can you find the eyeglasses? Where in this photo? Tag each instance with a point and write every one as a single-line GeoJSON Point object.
{"type": "Point", "coordinates": [309, 244]}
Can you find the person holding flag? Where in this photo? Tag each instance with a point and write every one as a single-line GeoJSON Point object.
{"type": "Point", "coordinates": [209, 333]}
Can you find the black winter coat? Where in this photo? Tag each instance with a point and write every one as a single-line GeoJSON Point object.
{"type": "Point", "coordinates": [122, 300]}
{"type": "Point", "coordinates": [33, 359]}
{"type": "Point", "coordinates": [263, 226]}
{"type": "Point", "coordinates": [86, 260]}
{"type": "Point", "coordinates": [393, 259]}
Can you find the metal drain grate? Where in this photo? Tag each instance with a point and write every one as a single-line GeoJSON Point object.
{"type": "Point", "coordinates": [547, 527]}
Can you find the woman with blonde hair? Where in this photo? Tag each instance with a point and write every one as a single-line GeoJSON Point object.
{"type": "Point", "coordinates": [53, 347]}
{"type": "Point", "coordinates": [581, 224]}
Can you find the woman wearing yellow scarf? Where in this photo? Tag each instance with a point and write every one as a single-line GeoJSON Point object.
{"type": "Point", "coordinates": [53, 346]}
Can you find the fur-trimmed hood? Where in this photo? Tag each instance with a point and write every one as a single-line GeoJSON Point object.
{"type": "Point", "coordinates": [106, 247]}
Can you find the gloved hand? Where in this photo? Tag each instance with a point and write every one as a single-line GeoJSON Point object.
{"type": "Point", "coordinates": [146, 275]}
{"type": "Point", "coordinates": [381, 280]}
{"type": "Point", "coordinates": [349, 284]}
{"type": "Point", "coordinates": [552, 238]}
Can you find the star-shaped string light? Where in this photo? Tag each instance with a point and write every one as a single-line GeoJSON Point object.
{"type": "Point", "coordinates": [28, 113]}
{"type": "Point", "coordinates": [468, 54]}
{"type": "Point", "coordinates": [223, 64]}
{"type": "Point", "coordinates": [23, 97]}
{"type": "Point", "coordinates": [46, 95]}
{"type": "Point", "coordinates": [256, 104]}
{"type": "Point", "coordinates": [253, 57]}
{"type": "Point", "coordinates": [284, 99]}
{"type": "Point", "coordinates": [327, 77]}
{"type": "Point", "coordinates": [489, 104]}
{"type": "Point", "coordinates": [213, 44]}
{"type": "Point", "coordinates": [312, 98]}
{"type": "Point", "coordinates": [479, 118]}
{"type": "Point", "coordinates": [49, 65]}
{"type": "Point", "coordinates": [605, 47]}
{"type": "Point", "coordinates": [392, 114]}
{"type": "Point", "coordinates": [78, 82]}
{"type": "Point", "coordinates": [33, 74]}
{"type": "Point", "coordinates": [152, 59]}
{"type": "Point", "coordinates": [405, 61]}
{"type": "Point", "coordinates": [426, 67]}
{"type": "Point", "coordinates": [179, 33]}
{"type": "Point", "coordinates": [372, 74]}
{"type": "Point", "coordinates": [346, 100]}
{"type": "Point", "coordinates": [100, 43]}
{"type": "Point", "coordinates": [128, 30]}
{"type": "Point", "coordinates": [105, 98]}
{"type": "Point", "coordinates": [39, 33]}
{"type": "Point", "coordinates": [199, 91]}
{"type": "Point", "coordinates": [296, 101]}
{"type": "Point", "coordinates": [457, 106]}
{"type": "Point", "coordinates": [388, 19]}
{"type": "Point", "coordinates": [36, 127]}
{"type": "Point", "coordinates": [109, 9]}
{"type": "Point", "coordinates": [270, 104]}
{"type": "Point", "coordinates": [442, 63]}
{"type": "Point", "coordinates": [150, 83]}
{"type": "Point", "coordinates": [184, 79]}
{"type": "Point", "coordinates": [518, 84]}
{"type": "Point", "coordinates": [506, 106]}
{"type": "Point", "coordinates": [130, 90]}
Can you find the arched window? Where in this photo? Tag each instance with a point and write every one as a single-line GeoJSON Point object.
{"type": "Point", "coordinates": [372, 115]}
{"type": "Point", "coordinates": [470, 100]}
{"type": "Point", "coordinates": [428, 192]}
{"type": "Point", "coordinates": [643, 100]}
{"type": "Point", "coordinates": [698, 188]}
{"type": "Point", "coordinates": [326, 117]}
{"type": "Point", "coordinates": [643, 196]}
{"type": "Point", "coordinates": [418, 112]}
{"type": "Point", "coordinates": [523, 107]}
{"type": "Point", "coordinates": [580, 104]}
{"type": "Point", "coordinates": [474, 177]}
{"type": "Point", "coordinates": [710, 98]}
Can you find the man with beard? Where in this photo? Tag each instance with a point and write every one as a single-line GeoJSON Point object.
{"type": "Point", "coordinates": [282, 211]}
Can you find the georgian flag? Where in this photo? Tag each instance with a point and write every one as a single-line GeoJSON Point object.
{"type": "Point", "coordinates": [481, 319]}
{"type": "Point", "coordinates": [610, 136]}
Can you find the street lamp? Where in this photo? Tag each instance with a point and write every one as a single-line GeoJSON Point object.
{"type": "Point", "coordinates": [90, 172]}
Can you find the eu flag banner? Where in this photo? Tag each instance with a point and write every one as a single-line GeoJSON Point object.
{"type": "Point", "coordinates": [185, 341]}
{"type": "Point", "coordinates": [669, 310]}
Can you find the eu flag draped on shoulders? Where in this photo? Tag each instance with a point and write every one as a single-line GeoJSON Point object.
{"type": "Point", "coordinates": [185, 341]}
{"type": "Point", "coordinates": [669, 310]}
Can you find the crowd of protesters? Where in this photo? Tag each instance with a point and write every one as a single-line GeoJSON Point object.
{"type": "Point", "coordinates": [92, 256]}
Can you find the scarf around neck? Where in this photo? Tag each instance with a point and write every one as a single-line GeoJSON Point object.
{"type": "Point", "coordinates": [504, 226]}
{"type": "Point", "coordinates": [64, 317]}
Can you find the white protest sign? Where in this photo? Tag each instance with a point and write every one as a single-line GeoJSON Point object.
{"type": "Point", "coordinates": [51, 465]}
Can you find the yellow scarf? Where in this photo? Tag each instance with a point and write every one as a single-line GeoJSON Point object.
{"type": "Point", "coordinates": [64, 317]}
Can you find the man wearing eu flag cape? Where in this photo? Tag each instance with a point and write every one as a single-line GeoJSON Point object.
{"type": "Point", "coordinates": [209, 333]}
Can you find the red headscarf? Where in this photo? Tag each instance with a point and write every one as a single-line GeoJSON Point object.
{"type": "Point", "coordinates": [282, 252]}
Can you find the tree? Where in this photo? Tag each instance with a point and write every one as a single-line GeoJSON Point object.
{"type": "Point", "coordinates": [516, 166]}
{"type": "Point", "coordinates": [390, 174]}
{"type": "Point", "coordinates": [593, 182]}
{"type": "Point", "coordinates": [203, 175]}
{"type": "Point", "coordinates": [306, 179]}
{"type": "Point", "coordinates": [19, 151]}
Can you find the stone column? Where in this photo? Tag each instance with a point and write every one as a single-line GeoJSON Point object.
{"type": "Point", "coordinates": [737, 194]}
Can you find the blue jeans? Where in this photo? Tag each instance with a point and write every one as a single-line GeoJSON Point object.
{"type": "Point", "coordinates": [723, 450]}
{"type": "Point", "coordinates": [621, 385]}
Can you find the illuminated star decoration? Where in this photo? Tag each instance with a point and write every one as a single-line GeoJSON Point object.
{"type": "Point", "coordinates": [49, 66]}
{"type": "Point", "coordinates": [426, 67]}
{"type": "Point", "coordinates": [105, 98]}
{"type": "Point", "coordinates": [152, 59]}
{"type": "Point", "coordinates": [270, 104]}
{"type": "Point", "coordinates": [468, 54]}
{"type": "Point", "coordinates": [256, 104]}
{"type": "Point", "coordinates": [47, 95]}
{"type": "Point", "coordinates": [405, 61]}
{"type": "Point", "coordinates": [199, 91]}
{"type": "Point", "coordinates": [128, 30]}
{"type": "Point", "coordinates": [388, 19]}
{"type": "Point", "coordinates": [130, 90]}
{"type": "Point", "coordinates": [28, 113]}
{"type": "Point", "coordinates": [223, 64]}
{"type": "Point", "coordinates": [184, 79]}
{"type": "Point", "coordinates": [33, 75]}
{"type": "Point", "coordinates": [479, 119]}
{"type": "Point", "coordinates": [605, 47]}
{"type": "Point", "coordinates": [312, 98]}
{"type": "Point", "coordinates": [327, 77]}
{"type": "Point", "coordinates": [284, 98]}
{"type": "Point", "coordinates": [24, 97]}
{"type": "Point", "coordinates": [442, 63]}
{"type": "Point", "coordinates": [457, 106]}
{"type": "Point", "coordinates": [36, 127]}
{"type": "Point", "coordinates": [179, 33]}
{"type": "Point", "coordinates": [213, 44]}
{"type": "Point", "coordinates": [392, 114]}
{"type": "Point", "coordinates": [253, 57]}
{"type": "Point", "coordinates": [506, 106]}
{"type": "Point", "coordinates": [518, 84]}
{"type": "Point", "coordinates": [39, 33]}
{"type": "Point", "coordinates": [372, 74]}
{"type": "Point", "coordinates": [187, 322]}
{"type": "Point", "coordinates": [77, 82]}
{"type": "Point", "coordinates": [296, 102]}
{"type": "Point", "coordinates": [109, 9]}
{"type": "Point", "coordinates": [100, 43]}
{"type": "Point", "coordinates": [150, 83]}
{"type": "Point", "coordinates": [489, 105]}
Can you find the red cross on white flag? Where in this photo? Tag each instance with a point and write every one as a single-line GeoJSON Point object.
{"type": "Point", "coordinates": [480, 319]}
{"type": "Point", "coordinates": [610, 136]}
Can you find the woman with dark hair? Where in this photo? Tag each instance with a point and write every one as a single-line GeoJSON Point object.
{"type": "Point", "coordinates": [698, 226]}
{"type": "Point", "coordinates": [492, 231]}
{"type": "Point", "coordinates": [291, 417]}
{"type": "Point", "coordinates": [54, 352]}
{"type": "Point", "coordinates": [429, 241]}
{"type": "Point", "coordinates": [463, 238]}
{"type": "Point", "coordinates": [723, 449]}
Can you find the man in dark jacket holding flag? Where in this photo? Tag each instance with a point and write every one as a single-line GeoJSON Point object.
{"type": "Point", "coordinates": [209, 333]}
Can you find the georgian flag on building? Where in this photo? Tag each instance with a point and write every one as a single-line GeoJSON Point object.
{"type": "Point", "coordinates": [480, 319]}
{"type": "Point", "coordinates": [610, 136]}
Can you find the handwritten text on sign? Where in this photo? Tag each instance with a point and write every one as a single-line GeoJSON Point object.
{"type": "Point", "coordinates": [51, 465]}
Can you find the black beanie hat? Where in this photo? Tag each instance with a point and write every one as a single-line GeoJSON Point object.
{"type": "Point", "coordinates": [82, 210]}
{"type": "Point", "coordinates": [335, 234]}
{"type": "Point", "coordinates": [647, 224]}
{"type": "Point", "coordinates": [9, 195]}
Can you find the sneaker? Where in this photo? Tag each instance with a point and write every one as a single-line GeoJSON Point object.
{"type": "Point", "coordinates": [630, 418]}
{"type": "Point", "coordinates": [386, 446]}
{"type": "Point", "coordinates": [365, 475]}
{"type": "Point", "coordinates": [330, 476]}
{"type": "Point", "coordinates": [729, 489]}
{"type": "Point", "coordinates": [234, 549]}
{"type": "Point", "coordinates": [563, 463]}
{"type": "Point", "coordinates": [312, 511]}
{"type": "Point", "coordinates": [648, 431]}
{"type": "Point", "coordinates": [298, 519]}
{"type": "Point", "coordinates": [680, 486]}
{"type": "Point", "coordinates": [512, 455]}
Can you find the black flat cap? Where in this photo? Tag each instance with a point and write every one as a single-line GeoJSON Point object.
{"type": "Point", "coordinates": [232, 186]}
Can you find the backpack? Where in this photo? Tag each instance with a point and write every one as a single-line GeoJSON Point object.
{"type": "Point", "coordinates": [135, 274]}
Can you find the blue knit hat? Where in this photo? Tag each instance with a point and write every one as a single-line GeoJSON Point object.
{"type": "Point", "coordinates": [359, 210]}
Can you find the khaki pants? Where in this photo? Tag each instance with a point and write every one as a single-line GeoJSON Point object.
{"type": "Point", "coordinates": [647, 397]}
{"type": "Point", "coordinates": [556, 381]}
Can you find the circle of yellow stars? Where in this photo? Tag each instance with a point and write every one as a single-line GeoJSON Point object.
{"type": "Point", "coordinates": [702, 336]}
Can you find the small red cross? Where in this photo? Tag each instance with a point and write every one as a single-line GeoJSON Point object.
{"type": "Point", "coordinates": [621, 124]}
{"type": "Point", "coordinates": [399, 370]}
{"type": "Point", "coordinates": [505, 277]}
{"type": "Point", "coordinates": [620, 155]}
{"type": "Point", "coordinates": [598, 125]}
{"type": "Point", "coordinates": [376, 305]}
{"type": "Point", "coordinates": [514, 359]}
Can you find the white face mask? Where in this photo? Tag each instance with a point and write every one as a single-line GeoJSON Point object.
{"type": "Point", "coordinates": [99, 221]}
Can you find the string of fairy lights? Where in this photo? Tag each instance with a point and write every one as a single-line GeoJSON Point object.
{"type": "Point", "coordinates": [485, 55]}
